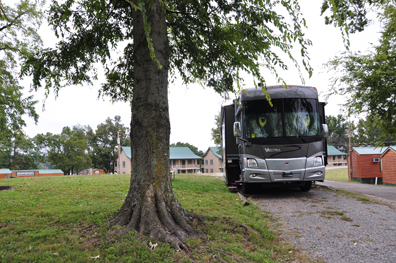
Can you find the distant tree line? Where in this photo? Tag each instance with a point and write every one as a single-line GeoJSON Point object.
{"type": "Point", "coordinates": [75, 148]}
{"type": "Point", "coordinates": [364, 132]}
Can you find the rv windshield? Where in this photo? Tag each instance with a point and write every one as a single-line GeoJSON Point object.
{"type": "Point", "coordinates": [287, 118]}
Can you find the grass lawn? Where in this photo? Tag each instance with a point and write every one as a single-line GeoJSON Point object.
{"type": "Point", "coordinates": [340, 175]}
{"type": "Point", "coordinates": [63, 219]}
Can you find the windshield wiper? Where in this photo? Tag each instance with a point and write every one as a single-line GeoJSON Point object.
{"type": "Point", "coordinates": [248, 143]}
{"type": "Point", "coordinates": [303, 139]}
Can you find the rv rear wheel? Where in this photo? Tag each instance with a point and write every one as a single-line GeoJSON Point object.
{"type": "Point", "coordinates": [306, 187]}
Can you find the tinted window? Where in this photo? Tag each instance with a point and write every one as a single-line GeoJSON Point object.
{"type": "Point", "coordinates": [261, 120]}
{"type": "Point", "coordinates": [287, 117]}
{"type": "Point", "coordinates": [301, 117]}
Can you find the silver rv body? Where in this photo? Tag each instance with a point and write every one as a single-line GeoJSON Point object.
{"type": "Point", "coordinates": [280, 143]}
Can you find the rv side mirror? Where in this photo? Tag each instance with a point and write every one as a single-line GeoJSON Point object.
{"type": "Point", "coordinates": [325, 130]}
{"type": "Point", "coordinates": [237, 129]}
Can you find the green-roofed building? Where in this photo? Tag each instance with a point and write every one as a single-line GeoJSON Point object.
{"type": "Point", "coordinates": [5, 173]}
{"type": "Point", "coordinates": [212, 161]}
{"type": "Point", "coordinates": [37, 172]}
{"type": "Point", "coordinates": [335, 157]}
{"type": "Point", "coordinates": [182, 160]}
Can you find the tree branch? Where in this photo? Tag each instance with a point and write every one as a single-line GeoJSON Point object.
{"type": "Point", "coordinates": [12, 22]}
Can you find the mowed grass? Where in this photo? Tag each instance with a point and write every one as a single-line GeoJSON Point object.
{"type": "Point", "coordinates": [63, 219]}
{"type": "Point", "coordinates": [340, 175]}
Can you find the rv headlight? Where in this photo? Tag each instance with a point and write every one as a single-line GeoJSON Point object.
{"type": "Point", "coordinates": [252, 163]}
{"type": "Point", "coordinates": [318, 161]}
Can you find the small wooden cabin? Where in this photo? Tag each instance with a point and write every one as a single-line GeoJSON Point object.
{"type": "Point", "coordinates": [388, 164]}
{"type": "Point", "coordinates": [365, 164]}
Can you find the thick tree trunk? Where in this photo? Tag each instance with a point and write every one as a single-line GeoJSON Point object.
{"type": "Point", "coordinates": [151, 206]}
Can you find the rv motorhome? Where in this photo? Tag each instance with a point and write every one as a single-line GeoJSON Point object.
{"type": "Point", "coordinates": [281, 141]}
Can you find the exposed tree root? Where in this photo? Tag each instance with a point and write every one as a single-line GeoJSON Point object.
{"type": "Point", "coordinates": [157, 217]}
{"type": "Point", "coordinates": [187, 251]}
{"type": "Point", "coordinates": [219, 258]}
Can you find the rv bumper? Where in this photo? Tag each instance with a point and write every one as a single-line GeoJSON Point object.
{"type": "Point", "coordinates": [315, 173]}
{"type": "Point", "coordinates": [250, 175]}
{"type": "Point", "coordinates": [256, 175]}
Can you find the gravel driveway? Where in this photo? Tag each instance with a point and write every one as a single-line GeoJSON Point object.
{"type": "Point", "coordinates": [332, 227]}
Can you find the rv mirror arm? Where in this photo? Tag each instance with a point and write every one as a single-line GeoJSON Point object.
{"type": "Point", "coordinates": [245, 141]}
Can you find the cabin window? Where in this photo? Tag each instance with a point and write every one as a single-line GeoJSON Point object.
{"type": "Point", "coordinates": [211, 162]}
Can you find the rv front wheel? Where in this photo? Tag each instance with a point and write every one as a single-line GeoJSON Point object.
{"type": "Point", "coordinates": [306, 187]}
{"type": "Point", "coordinates": [246, 188]}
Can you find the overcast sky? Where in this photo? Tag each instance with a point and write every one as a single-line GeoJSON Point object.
{"type": "Point", "coordinates": [193, 108]}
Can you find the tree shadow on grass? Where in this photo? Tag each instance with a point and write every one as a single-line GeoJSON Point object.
{"type": "Point", "coordinates": [5, 188]}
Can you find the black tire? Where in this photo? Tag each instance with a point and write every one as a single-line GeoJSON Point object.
{"type": "Point", "coordinates": [306, 187]}
{"type": "Point", "coordinates": [247, 188]}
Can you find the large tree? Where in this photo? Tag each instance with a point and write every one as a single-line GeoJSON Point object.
{"type": "Point", "coordinates": [368, 81]}
{"type": "Point", "coordinates": [216, 136]}
{"type": "Point", "coordinates": [18, 37]}
{"type": "Point", "coordinates": [68, 150]}
{"type": "Point", "coordinates": [368, 133]}
{"type": "Point", "coordinates": [103, 141]}
{"type": "Point", "coordinates": [339, 132]}
{"type": "Point", "coordinates": [210, 41]}
{"type": "Point", "coordinates": [350, 15]}
{"type": "Point", "coordinates": [18, 152]}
